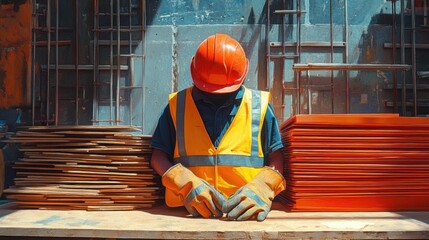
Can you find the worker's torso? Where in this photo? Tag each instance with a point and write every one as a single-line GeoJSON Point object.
{"type": "Point", "coordinates": [238, 157]}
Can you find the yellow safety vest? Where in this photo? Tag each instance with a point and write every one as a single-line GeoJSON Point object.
{"type": "Point", "coordinates": [239, 156]}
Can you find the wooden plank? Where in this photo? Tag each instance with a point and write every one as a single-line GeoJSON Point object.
{"type": "Point", "coordinates": [76, 181]}
{"type": "Point", "coordinates": [34, 134]}
{"type": "Point", "coordinates": [92, 186]}
{"type": "Point", "coordinates": [72, 144]}
{"type": "Point", "coordinates": [60, 177]}
{"type": "Point", "coordinates": [93, 202]}
{"type": "Point", "coordinates": [33, 140]}
{"type": "Point", "coordinates": [85, 166]}
{"type": "Point", "coordinates": [113, 208]}
{"type": "Point", "coordinates": [118, 176]}
{"type": "Point", "coordinates": [87, 150]}
{"type": "Point", "coordinates": [43, 191]}
{"type": "Point", "coordinates": [64, 160]}
{"type": "Point", "coordinates": [130, 190]}
{"type": "Point", "coordinates": [81, 128]}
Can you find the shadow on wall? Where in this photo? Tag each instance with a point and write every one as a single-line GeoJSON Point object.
{"type": "Point", "coordinates": [378, 86]}
{"type": "Point", "coordinates": [370, 91]}
{"type": "Point", "coordinates": [274, 82]}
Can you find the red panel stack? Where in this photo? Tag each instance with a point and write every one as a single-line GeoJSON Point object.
{"type": "Point", "coordinates": [356, 162]}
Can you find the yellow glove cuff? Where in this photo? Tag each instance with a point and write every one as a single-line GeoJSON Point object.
{"type": "Point", "coordinates": [273, 179]}
{"type": "Point", "coordinates": [178, 179]}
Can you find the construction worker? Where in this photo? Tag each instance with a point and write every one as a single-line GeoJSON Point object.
{"type": "Point", "coordinates": [217, 143]}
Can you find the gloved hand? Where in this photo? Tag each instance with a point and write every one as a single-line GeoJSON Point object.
{"type": "Point", "coordinates": [199, 197]}
{"type": "Point", "coordinates": [254, 199]}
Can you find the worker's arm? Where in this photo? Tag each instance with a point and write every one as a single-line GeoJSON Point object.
{"type": "Point", "coordinates": [160, 161]}
{"type": "Point", "coordinates": [271, 140]}
{"type": "Point", "coordinates": [276, 160]}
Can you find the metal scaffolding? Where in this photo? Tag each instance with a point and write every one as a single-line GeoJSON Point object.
{"type": "Point", "coordinates": [299, 44]}
{"type": "Point", "coordinates": [295, 10]}
{"type": "Point", "coordinates": [298, 67]}
{"type": "Point", "coordinates": [120, 24]}
{"type": "Point", "coordinates": [113, 24]}
{"type": "Point", "coordinates": [415, 85]}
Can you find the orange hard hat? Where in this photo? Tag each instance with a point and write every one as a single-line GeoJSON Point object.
{"type": "Point", "coordinates": [219, 65]}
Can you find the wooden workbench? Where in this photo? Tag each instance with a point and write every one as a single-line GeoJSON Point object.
{"type": "Point", "coordinates": [168, 223]}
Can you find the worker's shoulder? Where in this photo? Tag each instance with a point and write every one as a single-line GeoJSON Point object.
{"type": "Point", "coordinates": [175, 94]}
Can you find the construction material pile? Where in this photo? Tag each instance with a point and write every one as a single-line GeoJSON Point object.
{"type": "Point", "coordinates": [83, 167]}
{"type": "Point", "coordinates": [368, 162]}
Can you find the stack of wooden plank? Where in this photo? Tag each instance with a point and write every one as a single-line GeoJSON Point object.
{"type": "Point", "coordinates": [83, 167]}
{"type": "Point", "coordinates": [368, 162]}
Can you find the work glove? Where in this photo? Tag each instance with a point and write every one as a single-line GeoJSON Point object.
{"type": "Point", "coordinates": [253, 200]}
{"type": "Point", "coordinates": [199, 197]}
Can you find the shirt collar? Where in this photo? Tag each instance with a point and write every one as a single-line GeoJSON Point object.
{"type": "Point", "coordinates": [199, 95]}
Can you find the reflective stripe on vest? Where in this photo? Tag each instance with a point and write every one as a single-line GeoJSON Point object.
{"type": "Point", "coordinates": [221, 160]}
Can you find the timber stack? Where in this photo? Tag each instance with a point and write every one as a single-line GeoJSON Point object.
{"type": "Point", "coordinates": [83, 168]}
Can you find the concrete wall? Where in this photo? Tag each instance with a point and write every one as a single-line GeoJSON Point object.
{"type": "Point", "coordinates": [175, 28]}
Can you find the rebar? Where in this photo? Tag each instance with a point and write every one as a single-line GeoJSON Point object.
{"type": "Point", "coordinates": [131, 64]}
{"type": "Point", "coordinates": [56, 63]}
{"type": "Point", "coordinates": [33, 66]}
{"type": "Point", "coordinates": [331, 56]}
{"type": "Point", "coordinates": [95, 60]}
{"type": "Point", "coordinates": [425, 12]}
{"type": "Point", "coordinates": [343, 66]}
{"type": "Point", "coordinates": [143, 33]}
{"type": "Point", "coordinates": [267, 39]}
{"type": "Point", "coordinates": [77, 62]}
{"type": "Point", "coordinates": [395, 93]}
{"type": "Point", "coordinates": [111, 64]}
{"type": "Point", "coordinates": [118, 60]}
{"type": "Point", "coordinates": [404, 89]}
{"type": "Point", "coordinates": [413, 55]}
{"type": "Point", "coordinates": [48, 25]}
{"type": "Point", "coordinates": [346, 54]}
{"type": "Point", "coordinates": [298, 44]}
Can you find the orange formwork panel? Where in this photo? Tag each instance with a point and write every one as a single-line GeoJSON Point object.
{"type": "Point", "coordinates": [362, 132]}
{"type": "Point", "coordinates": [358, 120]}
{"type": "Point", "coordinates": [387, 203]}
{"type": "Point", "coordinates": [356, 162]}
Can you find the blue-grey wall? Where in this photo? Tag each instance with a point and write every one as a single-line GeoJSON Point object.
{"type": "Point", "coordinates": [176, 27]}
